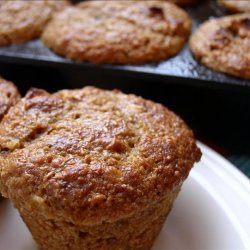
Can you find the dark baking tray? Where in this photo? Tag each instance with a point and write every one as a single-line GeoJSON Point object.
{"type": "Point", "coordinates": [181, 69]}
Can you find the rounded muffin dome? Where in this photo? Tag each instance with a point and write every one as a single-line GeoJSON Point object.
{"type": "Point", "coordinates": [91, 155]}
{"type": "Point", "coordinates": [118, 32]}
{"type": "Point", "coordinates": [21, 21]}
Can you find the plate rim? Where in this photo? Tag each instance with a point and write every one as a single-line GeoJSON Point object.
{"type": "Point", "coordinates": [236, 181]}
{"type": "Point", "coordinates": [228, 172]}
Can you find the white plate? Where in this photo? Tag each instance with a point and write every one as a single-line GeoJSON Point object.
{"type": "Point", "coordinates": [211, 212]}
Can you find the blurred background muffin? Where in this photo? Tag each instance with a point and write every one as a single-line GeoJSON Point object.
{"type": "Point", "coordinates": [118, 32]}
{"type": "Point", "coordinates": [21, 21]}
{"type": "Point", "coordinates": [223, 44]}
{"type": "Point", "coordinates": [9, 96]}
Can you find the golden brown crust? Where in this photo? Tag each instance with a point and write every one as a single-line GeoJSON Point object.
{"type": "Point", "coordinates": [118, 32]}
{"type": "Point", "coordinates": [21, 21]}
{"type": "Point", "coordinates": [235, 6]}
{"type": "Point", "coordinates": [92, 155]}
{"type": "Point", "coordinates": [9, 96]}
{"type": "Point", "coordinates": [223, 45]}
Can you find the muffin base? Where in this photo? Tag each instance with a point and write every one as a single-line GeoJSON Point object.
{"type": "Point", "coordinates": [136, 232]}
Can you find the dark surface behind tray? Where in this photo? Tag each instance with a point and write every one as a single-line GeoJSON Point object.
{"type": "Point", "coordinates": [181, 69]}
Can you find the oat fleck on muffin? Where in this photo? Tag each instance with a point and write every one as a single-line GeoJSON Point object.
{"type": "Point", "coordinates": [9, 96]}
{"type": "Point", "coordinates": [23, 20]}
{"type": "Point", "coordinates": [223, 44]}
{"type": "Point", "coordinates": [93, 169]}
{"type": "Point", "coordinates": [118, 32]}
{"type": "Point", "coordinates": [235, 6]}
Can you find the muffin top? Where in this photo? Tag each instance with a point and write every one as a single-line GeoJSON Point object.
{"type": "Point", "coordinates": [118, 32]}
{"type": "Point", "coordinates": [91, 155]}
{"type": "Point", "coordinates": [9, 96]}
{"type": "Point", "coordinates": [223, 44]}
{"type": "Point", "coordinates": [22, 20]}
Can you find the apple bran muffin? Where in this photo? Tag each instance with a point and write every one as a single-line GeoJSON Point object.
{"type": "Point", "coordinates": [223, 44]}
{"type": "Point", "coordinates": [23, 20]}
{"type": "Point", "coordinates": [118, 32]}
{"type": "Point", "coordinates": [9, 96]}
{"type": "Point", "coordinates": [93, 169]}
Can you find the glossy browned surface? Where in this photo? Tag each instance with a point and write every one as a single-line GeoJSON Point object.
{"type": "Point", "coordinates": [223, 44]}
{"type": "Point", "coordinates": [91, 155]}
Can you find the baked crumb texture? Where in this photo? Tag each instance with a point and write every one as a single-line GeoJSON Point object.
{"type": "Point", "coordinates": [223, 44]}
{"type": "Point", "coordinates": [118, 32]}
{"type": "Point", "coordinates": [93, 169]}
{"type": "Point", "coordinates": [23, 20]}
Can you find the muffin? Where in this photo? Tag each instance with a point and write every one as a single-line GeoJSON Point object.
{"type": "Point", "coordinates": [118, 32]}
{"type": "Point", "coordinates": [9, 96]}
{"type": "Point", "coordinates": [235, 6]}
{"type": "Point", "coordinates": [223, 44]}
{"type": "Point", "coordinates": [21, 21]}
{"type": "Point", "coordinates": [93, 169]}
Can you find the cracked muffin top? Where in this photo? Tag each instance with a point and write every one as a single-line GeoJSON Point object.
{"type": "Point", "coordinates": [23, 20]}
{"type": "Point", "coordinates": [223, 44]}
{"type": "Point", "coordinates": [118, 32]}
{"type": "Point", "coordinates": [90, 155]}
{"type": "Point", "coordinates": [9, 96]}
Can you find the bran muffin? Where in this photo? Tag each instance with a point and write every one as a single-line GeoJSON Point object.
{"type": "Point", "coordinates": [93, 169]}
{"type": "Point", "coordinates": [118, 32]}
{"type": "Point", "coordinates": [235, 6]}
{"type": "Point", "coordinates": [21, 21]}
{"type": "Point", "coordinates": [223, 44]}
{"type": "Point", "coordinates": [9, 96]}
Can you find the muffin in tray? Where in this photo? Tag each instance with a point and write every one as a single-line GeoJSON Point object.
{"type": "Point", "coordinates": [9, 96]}
{"type": "Point", "coordinates": [223, 44]}
{"type": "Point", "coordinates": [23, 20]}
{"type": "Point", "coordinates": [93, 169]}
{"type": "Point", "coordinates": [235, 6]}
{"type": "Point", "coordinates": [118, 32]}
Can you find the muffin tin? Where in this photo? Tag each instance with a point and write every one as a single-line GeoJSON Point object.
{"type": "Point", "coordinates": [181, 69]}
